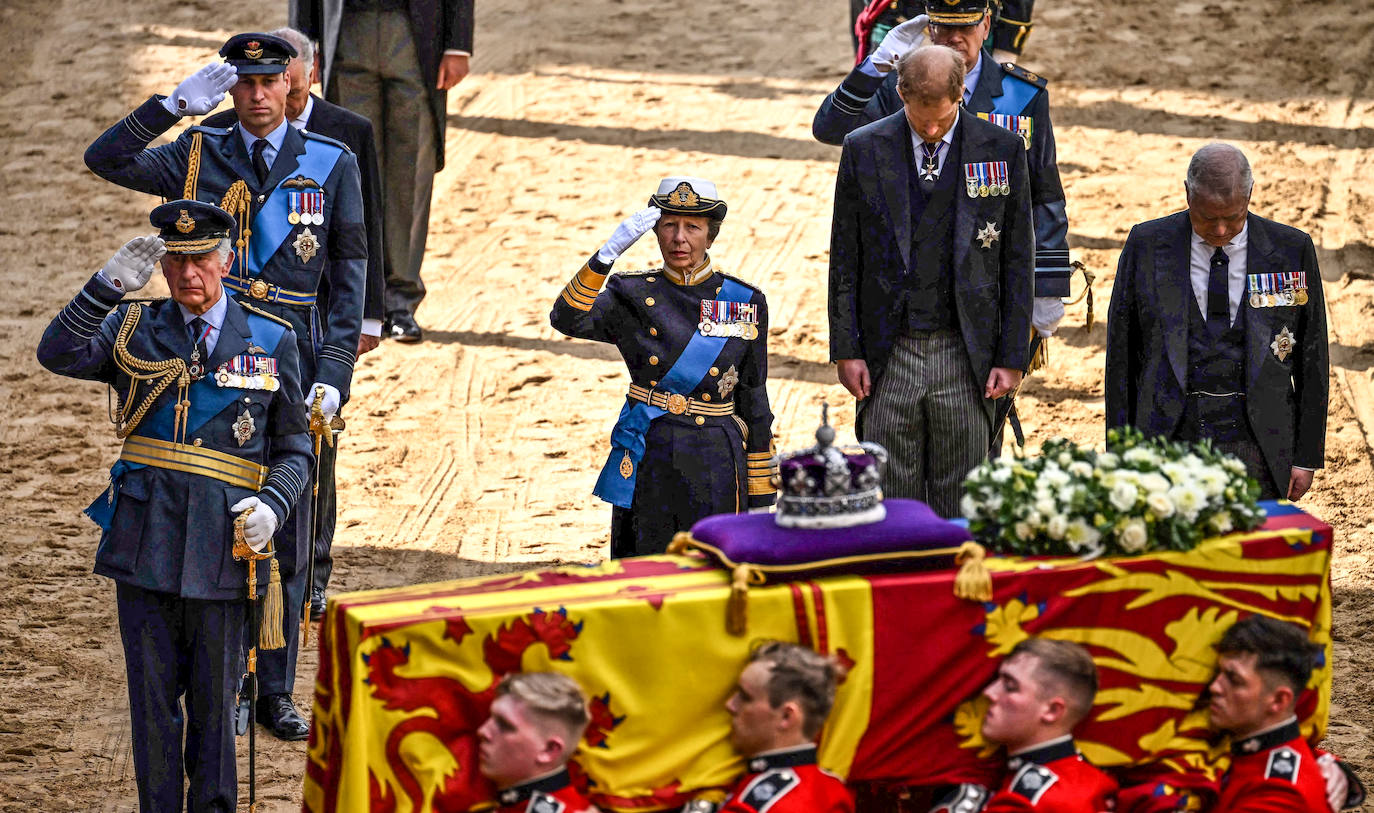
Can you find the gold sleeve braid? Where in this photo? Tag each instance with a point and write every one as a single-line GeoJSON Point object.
{"type": "Point", "coordinates": [761, 471]}
{"type": "Point", "coordinates": [581, 290]}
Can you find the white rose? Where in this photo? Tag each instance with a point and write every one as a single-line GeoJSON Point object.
{"type": "Point", "coordinates": [1024, 531]}
{"type": "Point", "coordinates": [1140, 455]}
{"type": "Point", "coordinates": [1154, 483]}
{"type": "Point", "coordinates": [1080, 469]}
{"type": "Point", "coordinates": [1108, 460]}
{"type": "Point", "coordinates": [1045, 505]}
{"type": "Point", "coordinates": [1065, 458]}
{"type": "Point", "coordinates": [993, 503]}
{"type": "Point", "coordinates": [1133, 536]}
{"type": "Point", "coordinates": [1058, 526]}
{"type": "Point", "coordinates": [1055, 478]}
{"type": "Point", "coordinates": [1222, 522]}
{"type": "Point", "coordinates": [1067, 494]}
{"type": "Point", "coordinates": [1160, 505]}
{"type": "Point", "coordinates": [1001, 474]}
{"type": "Point", "coordinates": [968, 507]}
{"type": "Point", "coordinates": [1123, 496]}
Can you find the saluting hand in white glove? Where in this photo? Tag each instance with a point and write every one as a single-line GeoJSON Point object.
{"type": "Point", "coordinates": [202, 91]}
{"type": "Point", "coordinates": [902, 38]}
{"type": "Point", "coordinates": [260, 525]}
{"type": "Point", "coordinates": [132, 266]}
{"type": "Point", "coordinates": [630, 229]}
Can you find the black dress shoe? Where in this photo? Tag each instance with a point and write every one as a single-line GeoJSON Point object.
{"type": "Point", "coordinates": [401, 326]}
{"type": "Point", "coordinates": [243, 715]}
{"type": "Point", "coordinates": [279, 715]}
{"type": "Point", "coordinates": [316, 603]}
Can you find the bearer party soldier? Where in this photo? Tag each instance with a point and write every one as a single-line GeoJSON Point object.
{"type": "Point", "coordinates": [211, 415]}
{"type": "Point", "coordinates": [298, 200]}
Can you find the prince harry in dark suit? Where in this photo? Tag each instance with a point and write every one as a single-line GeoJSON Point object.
{"type": "Point", "coordinates": [1217, 330]}
{"type": "Point", "coordinates": [931, 274]}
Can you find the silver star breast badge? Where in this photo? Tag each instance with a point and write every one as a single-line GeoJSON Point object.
{"type": "Point", "coordinates": [1282, 344]}
{"type": "Point", "coordinates": [988, 234]}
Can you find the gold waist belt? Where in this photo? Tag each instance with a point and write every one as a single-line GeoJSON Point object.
{"type": "Point", "coordinates": [679, 404]}
{"type": "Point", "coordinates": [194, 460]}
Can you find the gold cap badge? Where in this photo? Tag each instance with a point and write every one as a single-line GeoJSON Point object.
{"type": "Point", "coordinates": [684, 195]}
{"type": "Point", "coordinates": [252, 49]}
{"type": "Point", "coordinates": [184, 223]}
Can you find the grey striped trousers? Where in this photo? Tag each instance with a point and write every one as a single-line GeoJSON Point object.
{"type": "Point", "coordinates": [929, 414]}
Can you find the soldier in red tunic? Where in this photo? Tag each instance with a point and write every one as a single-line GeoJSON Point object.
{"type": "Point", "coordinates": [536, 721]}
{"type": "Point", "coordinates": [777, 711]}
{"type": "Point", "coordinates": [1262, 666]}
{"type": "Point", "coordinates": [1042, 690]}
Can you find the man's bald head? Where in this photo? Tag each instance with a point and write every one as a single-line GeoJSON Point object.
{"type": "Point", "coordinates": [1220, 172]}
{"type": "Point", "coordinates": [931, 74]}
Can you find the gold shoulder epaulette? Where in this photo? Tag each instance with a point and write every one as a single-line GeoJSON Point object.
{"type": "Point", "coordinates": [259, 312]}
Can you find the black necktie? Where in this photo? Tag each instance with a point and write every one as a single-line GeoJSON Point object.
{"type": "Point", "coordinates": [1219, 293]}
{"type": "Point", "coordinates": [260, 162]}
{"type": "Point", "coordinates": [200, 352]}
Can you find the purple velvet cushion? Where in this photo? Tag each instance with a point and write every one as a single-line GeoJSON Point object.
{"type": "Point", "coordinates": [910, 527]}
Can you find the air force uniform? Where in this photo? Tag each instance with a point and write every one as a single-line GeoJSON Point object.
{"type": "Point", "coordinates": [303, 223]}
{"type": "Point", "coordinates": [1007, 95]}
{"type": "Point", "coordinates": [695, 435]}
{"type": "Point", "coordinates": [195, 446]}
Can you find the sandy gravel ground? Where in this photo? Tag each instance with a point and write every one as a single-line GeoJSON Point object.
{"type": "Point", "coordinates": [477, 450]}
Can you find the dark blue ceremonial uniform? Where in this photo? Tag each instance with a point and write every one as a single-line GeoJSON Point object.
{"type": "Point", "coordinates": [695, 462]}
{"type": "Point", "coordinates": [1001, 89]}
{"type": "Point", "coordinates": [168, 530]}
{"type": "Point", "coordinates": [327, 341]}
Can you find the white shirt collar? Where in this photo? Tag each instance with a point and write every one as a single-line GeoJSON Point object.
{"type": "Point", "coordinates": [947, 139]}
{"type": "Point", "coordinates": [300, 121]}
{"type": "Point", "coordinates": [274, 138]}
{"type": "Point", "coordinates": [1237, 244]}
{"type": "Point", "coordinates": [213, 317]}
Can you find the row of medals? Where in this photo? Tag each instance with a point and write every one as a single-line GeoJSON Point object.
{"type": "Point", "coordinates": [306, 218]}
{"type": "Point", "coordinates": [986, 191]}
{"type": "Point", "coordinates": [1290, 296]}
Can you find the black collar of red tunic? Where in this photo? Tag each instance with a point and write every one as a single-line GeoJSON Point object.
{"type": "Point", "coordinates": [1265, 740]}
{"type": "Point", "coordinates": [785, 758]}
{"type": "Point", "coordinates": [1044, 754]}
{"type": "Point", "coordinates": [548, 783]}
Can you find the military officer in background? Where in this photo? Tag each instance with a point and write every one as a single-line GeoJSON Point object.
{"type": "Point", "coordinates": [214, 425]}
{"type": "Point", "coordinates": [298, 201]}
{"type": "Point", "coordinates": [306, 111]}
{"type": "Point", "coordinates": [695, 435]}
{"type": "Point", "coordinates": [871, 20]}
{"type": "Point", "coordinates": [536, 723]}
{"type": "Point", "coordinates": [1005, 94]}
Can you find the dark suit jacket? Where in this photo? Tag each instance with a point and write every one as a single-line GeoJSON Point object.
{"type": "Point", "coordinates": [871, 242]}
{"type": "Point", "coordinates": [436, 25]}
{"type": "Point", "coordinates": [172, 531]}
{"type": "Point", "coordinates": [355, 131]}
{"type": "Point", "coordinates": [862, 99]}
{"type": "Point", "coordinates": [1147, 341]}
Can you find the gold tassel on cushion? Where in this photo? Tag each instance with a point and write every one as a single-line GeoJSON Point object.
{"type": "Point", "coordinates": [682, 542]}
{"type": "Point", "coordinates": [973, 581]}
{"type": "Point", "coordinates": [737, 613]}
{"type": "Point", "coordinates": [270, 635]}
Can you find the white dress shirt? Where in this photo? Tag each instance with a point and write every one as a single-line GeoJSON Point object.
{"type": "Point", "coordinates": [213, 317]}
{"type": "Point", "coordinates": [1200, 269]}
{"type": "Point", "coordinates": [943, 150]}
{"type": "Point", "coordinates": [300, 121]}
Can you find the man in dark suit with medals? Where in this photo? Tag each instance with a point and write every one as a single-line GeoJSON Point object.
{"type": "Point", "coordinates": [213, 423]}
{"type": "Point", "coordinates": [1005, 94]}
{"type": "Point", "coordinates": [1217, 330]}
{"type": "Point", "coordinates": [394, 61]}
{"type": "Point", "coordinates": [298, 199]}
{"type": "Point", "coordinates": [306, 111]}
{"type": "Point", "coordinates": [931, 259]}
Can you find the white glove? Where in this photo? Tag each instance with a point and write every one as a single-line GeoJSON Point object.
{"type": "Point", "coordinates": [1337, 786]}
{"type": "Point", "coordinates": [260, 525]}
{"type": "Point", "coordinates": [902, 38]}
{"type": "Point", "coordinates": [329, 406]}
{"type": "Point", "coordinates": [132, 266]}
{"type": "Point", "coordinates": [202, 91]}
{"type": "Point", "coordinates": [1046, 313]}
{"type": "Point", "coordinates": [630, 229]}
